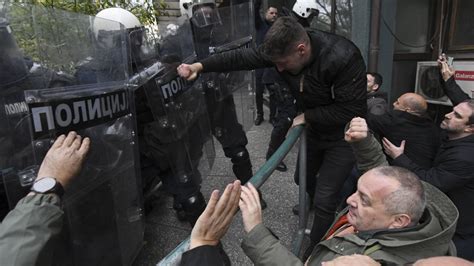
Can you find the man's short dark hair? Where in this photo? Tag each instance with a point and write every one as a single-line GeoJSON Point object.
{"type": "Point", "coordinates": [470, 102]}
{"type": "Point", "coordinates": [263, 11]}
{"type": "Point", "coordinates": [282, 36]}
{"type": "Point", "coordinates": [409, 198]}
{"type": "Point", "coordinates": [377, 78]}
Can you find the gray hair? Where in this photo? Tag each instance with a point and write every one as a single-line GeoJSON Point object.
{"type": "Point", "coordinates": [409, 198]}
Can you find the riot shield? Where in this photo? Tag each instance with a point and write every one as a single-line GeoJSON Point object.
{"type": "Point", "coordinates": [178, 106]}
{"type": "Point", "coordinates": [235, 31]}
{"type": "Point", "coordinates": [103, 206]}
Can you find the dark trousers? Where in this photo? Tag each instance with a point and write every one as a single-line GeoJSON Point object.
{"type": "Point", "coordinates": [177, 162]}
{"type": "Point", "coordinates": [285, 110]}
{"type": "Point", "coordinates": [349, 187]}
{"type": "Point", "coordinates": [329, 163]}
{"type": "Point", "coordinates": [230, 134]}
{"type": "Point", "coordinates": [464, 246]}
{"type": "Point", "coordinates": [259, 89]}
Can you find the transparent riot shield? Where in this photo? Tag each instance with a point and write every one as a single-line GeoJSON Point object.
{"type": "Point", "coordinates": [178, 106]}
{"type": "Point", "coordinates": [77, 80]}
{"type": "Point", "coordinates": [235, 31]}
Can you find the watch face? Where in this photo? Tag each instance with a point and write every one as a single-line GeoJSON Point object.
{"type": "Point", "coordinates": [44, 184]}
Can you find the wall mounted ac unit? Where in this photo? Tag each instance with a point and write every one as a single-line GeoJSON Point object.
{"type": "Point", "coordinates": [429, 82]}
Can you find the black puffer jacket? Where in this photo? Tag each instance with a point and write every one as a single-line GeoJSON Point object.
{"type": "Point", "coordinates": [453, 168]}
{"type": "Point", "coordinates": [331, 89]}
{"type": "Point", "coordinates": [420, 133]}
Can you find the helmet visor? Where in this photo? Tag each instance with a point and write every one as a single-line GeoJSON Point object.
{"type": "Point", "coordinates": [205, 15]}
{"type": "Point", "coordinates": [136, 37]}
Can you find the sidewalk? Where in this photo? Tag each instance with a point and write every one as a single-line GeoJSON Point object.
{"type": "Point", "coordinates": [164, 232]}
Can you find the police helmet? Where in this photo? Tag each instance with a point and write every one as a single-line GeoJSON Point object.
{"type": "Point", "coordinates": [106, 32]}
{"type": "Point", "coordinates": [305, 8]}
{"type": "Point", "coordinates": [201, 12]}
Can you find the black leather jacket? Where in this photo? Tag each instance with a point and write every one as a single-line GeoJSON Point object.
{"type": "Point", "coordinates": [333, 87]}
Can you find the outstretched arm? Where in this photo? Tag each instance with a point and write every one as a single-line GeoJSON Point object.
{"type": "Point", "coordinates": [451, 88]}
{"type": "Point", "coordinates": [189, 72]}
{"type": "Point", "coordinates": [211, 227]}
{"type": "Point", "coordinates": [367, 149]}
{"type": "Point", "coordinates": [259, 244]}
{"type": "Point", "coordinates": [27, 233]}
{"type": "Point", "coordinates": [216, 218]}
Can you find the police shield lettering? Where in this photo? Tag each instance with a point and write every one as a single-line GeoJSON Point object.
{"type": "Point", "coordinates": [62, 116]}
{"type": "Point", "coordinates": [175, 103]}
{"type": "Point", "coordinates": [173, 88]}
{"type": "Point", "coordinates": [74, 82]}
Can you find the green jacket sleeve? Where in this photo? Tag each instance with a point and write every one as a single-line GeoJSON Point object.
{"type": "Point", "coordinates": [27, 232]}
{"type": "Point", "coordinates": [265, 249]}
{"type": "Point", "coordinates": [368, 153]}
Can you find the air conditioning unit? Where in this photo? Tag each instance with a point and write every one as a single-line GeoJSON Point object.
{"type": "Point", "coordinates": [429, 81]}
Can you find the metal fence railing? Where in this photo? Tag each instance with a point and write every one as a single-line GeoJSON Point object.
{"type": "Point", "coordinates": [259, 178]}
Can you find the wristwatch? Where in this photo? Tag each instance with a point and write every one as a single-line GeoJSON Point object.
{"type": "Point", "coordinates": [45, 185]}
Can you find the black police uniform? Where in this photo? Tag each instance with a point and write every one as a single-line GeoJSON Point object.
{"type": "Point", "coordinates": [173, 159]}
{"type": "Point", "coordinates": [224, 124]}
{"type": "Point", "coordinates": [280, 94]}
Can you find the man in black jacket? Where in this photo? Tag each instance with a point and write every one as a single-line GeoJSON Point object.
{"type": "Point", "coordinates": [326, 74]}
{"type": "Point", "coordinates": [409, 122]}
{"type": "Point", "coordinates": [262, 25]}
{"type": "Point", "coordinates": [376, 99]}
{"type": "Point", "coordinates": [453, 168]}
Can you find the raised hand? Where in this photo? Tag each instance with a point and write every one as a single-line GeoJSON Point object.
{"type": "Point", "coordinates": [64, 159]}
{"type": "Point", "coordinates": [217, 217]}
{"type": "Point", "coordinates": [391, 149]}
{"type": "Point", "coordinates": [250, 207]}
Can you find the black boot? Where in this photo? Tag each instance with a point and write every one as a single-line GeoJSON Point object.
{"type": "Point", "coordinates": [179, 210]}
{"type": "Point", "coordinates": [193, 206]}
{"type": "Point", "coordinates": [242, 166]}
{"type": "Point", "coordinates": [296, 208]}
{"type": "Point", "coordinates": [258, 120]}
{"type": "Point", "coordinates": [281, 167]}
{"type": "Point", "coordinates": [308, 251]}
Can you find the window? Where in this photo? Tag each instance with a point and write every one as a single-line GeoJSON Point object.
{"type": "Point", "coordinates": [342, 24]}
{"type": "Point", "coordinates": [412, 26]}
{"type": "Point", "coordinates": [462, 25]}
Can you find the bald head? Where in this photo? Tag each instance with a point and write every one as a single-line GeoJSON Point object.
{"type": "Point", "coordinates": [412, 103]}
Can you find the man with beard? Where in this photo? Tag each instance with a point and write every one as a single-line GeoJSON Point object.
{"type": "Point", "coordinates": [453, 167]}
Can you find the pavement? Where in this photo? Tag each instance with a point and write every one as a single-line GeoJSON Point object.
{"type": "Point", "coordinates": [164, 232]}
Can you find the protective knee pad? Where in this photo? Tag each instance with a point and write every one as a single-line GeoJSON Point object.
{"type": "Point", "coordinates": [241, 165]}
{"type": "Point", "coordinates": [193, 206]}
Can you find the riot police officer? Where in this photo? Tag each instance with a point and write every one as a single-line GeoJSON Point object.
{"type": "Point", "coordinates": [17, 74]}
{"type": "Point", "coordinates": [204, 16]}
{"type": "Point", "coordinates": [13, 72]}
{"type": "Point", "coordinates": [285, 106]}
{"type": "Point", "coordinates": [172, 157]}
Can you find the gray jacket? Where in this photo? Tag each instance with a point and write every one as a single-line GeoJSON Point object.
{"type": "Point", "coordinates": [431, 237]}
{"type": "Point", "coordinates": [27, 232]}
{"type": "Point", "coordinates": [377, 103]}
